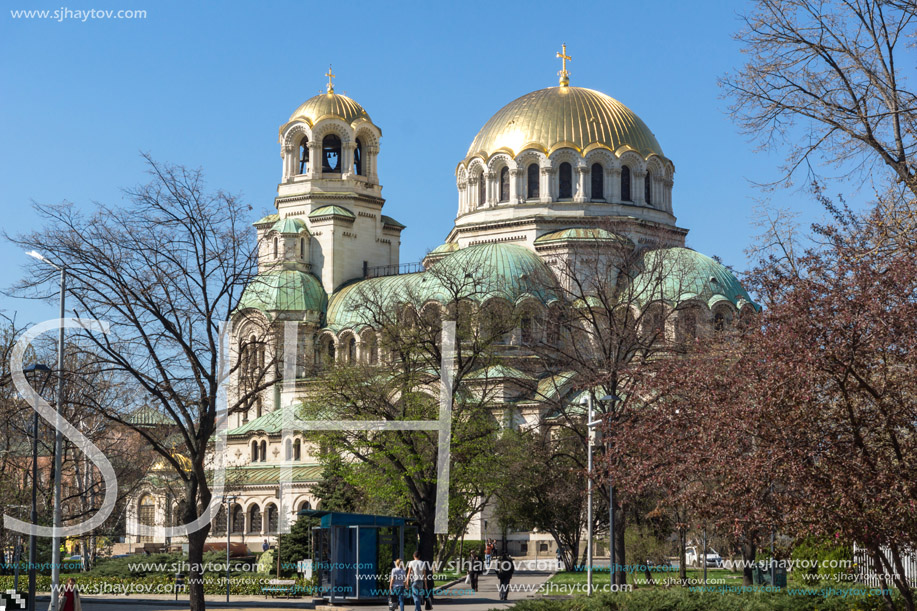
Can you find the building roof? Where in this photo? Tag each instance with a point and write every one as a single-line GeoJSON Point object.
{"type": "Point", "coordinates": [271, 422]}
{"type": "Point", "coordinates": [558, 117]}
{"type": "Point", "coordinates": [290, 225]}
{"type": "Point", "coordinates": [478, 273]}
{"type": "Point", "coordinates": [332, 211]}
{"type": "Point", "coordinates": [267, 220]}
{"type": "Point", "coordinates": [270, 474]}
{"type": "Point", "coordinates": [284, 290]}
{"type": "Point", "coordinates": [677, 275]}
{"type": "Point", "coordinates": [581, 234]}
{"type": "Point", "coordinates": [390, 222]}
{"type": "Point", "coordinates": [498, 372]}
{"type": "Point", "coordinates": [329, 105]}
{"type": "Point", "coordinates": [443, 249]}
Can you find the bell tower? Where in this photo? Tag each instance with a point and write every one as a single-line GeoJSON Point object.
{"type": "Point", "coordinates": [330, 148]}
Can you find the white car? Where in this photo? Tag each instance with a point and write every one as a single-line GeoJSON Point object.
{"type": "Point", "coordinates": [694, 556]}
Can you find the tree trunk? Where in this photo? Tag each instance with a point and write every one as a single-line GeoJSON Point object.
{"type": "Point", "coordinates": [195, 579]}
{"type": "Point", "coordinates": [682, 555]}
{"type": "Point", "coordinates": [620, 558]}
{"type": "Point", "coordinates": [426, 525]}
{"type": "Point", "coordinates": [749, 553]}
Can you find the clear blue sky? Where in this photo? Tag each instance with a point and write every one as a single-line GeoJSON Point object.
{"type": "Point", "coordinates": [208, 84]}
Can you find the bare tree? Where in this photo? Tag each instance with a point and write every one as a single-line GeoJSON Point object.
{"type": "Point", "coordinates": [623, 306]}
{"type": "Point", "coordinates": [827, 77]}
{"type": "Point", "coordinates": [165, 270]}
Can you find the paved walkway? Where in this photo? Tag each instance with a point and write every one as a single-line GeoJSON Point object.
{"type": "Point", "coordinates": [458, 597]}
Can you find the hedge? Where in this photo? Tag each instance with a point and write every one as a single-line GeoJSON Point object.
{"type": "Point", "coordinates": [241, 583]}
{"type": "Point", "coordinates": [679, 599]}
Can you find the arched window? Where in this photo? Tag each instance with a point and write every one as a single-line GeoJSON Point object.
{"type": "Point", "coordinates": [527, 326]}
{"type": "Point", "coordinates": [504, 185]}
{"type": "Point", "coordinates": [625, 184]}
{"type": "Point", "coordinates": [482, 190]}
{"type": "Point", "coordinates": [352, 350]}
{"type": "Point", "coordinates": [330, 350]}
{"type": "Point", "coordinates": [598, 181]}
{"type": "Point", "coordinates": [271, 518]}
{"type": "Point", "coordinates": [276, 247]}
{"type": "Point", "coordinates": [254, 519]}
{"type": "Point", "coordinates": [331, 154]}
{"type": "Point", "coordinates": [146, 510]}
{"type": "Point", "coordinates": [238, 520]}
{"type": "Point", "coordinates": [647, 188]}
{"type": "Point", "coordinates": [288, 446]}
{"type": "Point", "coordinates": [719, 321]}
{"type": "Point", "coordinates": [358, 158]}
{"type": "Point", "coordinates": [565, 181]}
{"type": "Point", "coordinates": [302, 248]}
{"type": "Point", "coordinates": [254, 451]}
{"type": "Point", "coordinates": [262, 454]}
{"type": "Point", "coordinates": [219, 523]}
{"type": "Point", "coordinates": [305, 505]}
{"type": "Point", "coordinates": [371, 352]}
{"type": "Point", "coordinates": [532, 190]}
{"type": "Point", "coordinates": [304, 155]}
{"type": "Point", "coordinates": [297, 450]}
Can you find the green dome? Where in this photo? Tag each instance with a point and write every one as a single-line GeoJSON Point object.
{"type": "Point", "coordinates": [290, 225]}
{"type": "Point", "coordinates": [444, 249]}
{"type": "Point", "coordinates": [506, 271]}
{"type": "Point", "coordinates": [676, 275]}
{"type": "Point", "coordinates": [284, 290]}
{"type": "Point", "coordinates": [581, 234]}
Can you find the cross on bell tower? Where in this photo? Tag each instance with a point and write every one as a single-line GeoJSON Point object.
{"type": "Point", "coordinates": [564, 75]}
{"type": "Point", "coordinates": [330, 76]}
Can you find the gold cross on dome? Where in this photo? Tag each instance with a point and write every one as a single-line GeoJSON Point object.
{"type": "Point", "coordinates": [330, 76]}
{"type": "Point", "coordinates": [564, 75]}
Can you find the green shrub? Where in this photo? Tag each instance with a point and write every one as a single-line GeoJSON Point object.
{"type": "Point", "coordinates": [819, 554]}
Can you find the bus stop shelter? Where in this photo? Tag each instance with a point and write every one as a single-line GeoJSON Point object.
{"type": "Point", "coordinates": [353, 553]}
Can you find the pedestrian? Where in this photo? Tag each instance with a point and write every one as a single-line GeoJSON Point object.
{"type": "Point", "coordinates": [488, 555]}
{"type": "Point", "coordinates": [474, 570]}
{"type": "Point", "coordinates": [265, 546]}
{"type": "Point", "coordinates": [70, 597]}
{"type": "Point", "coordinates": [417, 569]}
{"type": "Point", "coordinates": [505, 570]}
{"type": "Point", "coordinates": [396, 586]}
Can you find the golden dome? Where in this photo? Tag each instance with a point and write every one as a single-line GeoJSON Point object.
{"type": "Point", "coordinates": [557, 117]}
{"type": "Point", "coordinates": [329, 105]}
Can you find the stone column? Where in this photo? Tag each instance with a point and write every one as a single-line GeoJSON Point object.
{"type": "Point", "coordinates": [491, 188]}
{"type": "Point", "coordinates": [372, 155]}
{"type": "Point", "coordinates": [547, 185]}
{"type": "Point", "coordinates": [472, 193]}
{"type": "Point", "coordinates": [515, 186]}
{"type": "Point", "coordinates": [667, 194]}
{"type": "Point", "coordinates": [289, 166]}
{"type": "Point", "coordinates": [637, 179]}
{"type": "Point", "coordinates": [613, 185]}
{"type": "Point", "coordinates": [315, 161]}
{"type": "Point", "coordinates": [347, 149]}
{"type": "Point", "coordinates": [580, 195]}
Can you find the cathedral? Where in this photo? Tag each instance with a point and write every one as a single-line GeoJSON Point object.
{"type": "Point", "coordinates": [535, 181]}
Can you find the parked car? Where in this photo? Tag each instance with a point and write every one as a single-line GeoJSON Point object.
{"type": "Point", "coordinates": [694, 556]}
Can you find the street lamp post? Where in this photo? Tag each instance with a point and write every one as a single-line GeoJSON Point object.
{"type": "Point", "coordinates": [591, 424]}
{"type": "Point", "coordinates": [31, 373]}
{"type": "Point", "coordinates": [229, 501]}
{"type": "Point", "coordinates": [58, 436]}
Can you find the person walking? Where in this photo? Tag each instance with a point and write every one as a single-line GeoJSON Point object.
{"type": "Point", "coordinates": [505, 570]}
{"type": "Point", "coordinates": [396, 586]}
{"type": "Point", "coordinates": [474, 570]}
{"type": "Point", "coordinates": [417, 568]}
{"type": "Point", "coordinates": [488, 555]}
{"type": "Point", "coordinates": [71, 598]}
